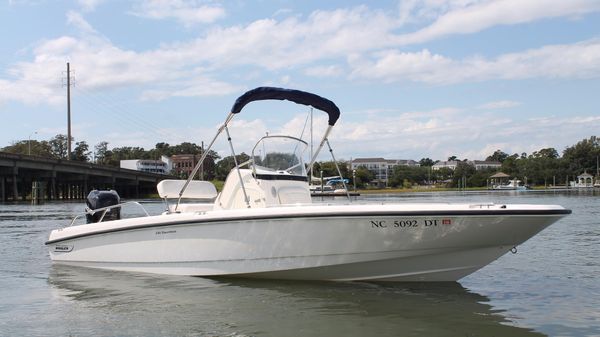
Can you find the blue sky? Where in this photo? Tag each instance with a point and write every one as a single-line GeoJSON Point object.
{"type": "Point", "coordinates": [413, 79]}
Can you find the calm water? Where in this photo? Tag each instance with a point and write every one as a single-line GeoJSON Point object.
{"type": "Point", "coordinates": [550, 287]}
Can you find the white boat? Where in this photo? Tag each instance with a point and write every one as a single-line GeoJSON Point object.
{"type": "Point", "coordinates": [333, 186]}
{"type": "Point", "coordinates": [263, 224]}
{"type": "Point", "coordinates": [512, 185]}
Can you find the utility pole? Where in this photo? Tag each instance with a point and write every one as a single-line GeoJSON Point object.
{"type": "Point", "coordinates": [68, 112]}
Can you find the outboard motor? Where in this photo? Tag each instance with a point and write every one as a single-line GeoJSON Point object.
{"type": "Point", "coordinates": [99, 199]}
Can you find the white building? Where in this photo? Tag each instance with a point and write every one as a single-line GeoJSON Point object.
{"type": "Point", "coordinates": [162, 166]}
{"type": "Point", "coordinates": [382, 168]}
{"type": "Point", "coordinates": [485, 164]}
{"type": "Point", "coordinates": [478, 164]}
{"type": "Point", "coordinates": [451, 164]}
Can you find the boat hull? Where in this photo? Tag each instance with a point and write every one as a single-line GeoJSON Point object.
{"type": "Point", "coordinates": [342, 244]}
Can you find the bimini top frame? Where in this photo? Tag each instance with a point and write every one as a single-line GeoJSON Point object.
{"type": "Point", "coordinates": [272, 93]}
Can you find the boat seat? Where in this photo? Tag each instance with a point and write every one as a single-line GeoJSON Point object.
{"type": "Point", "coordinates": [196, 189]}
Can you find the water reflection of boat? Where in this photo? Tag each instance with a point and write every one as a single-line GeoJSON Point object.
{"type": "Point", "coordinates": [147, 305]}
{"type": "Point", "coordinates": [263, 224]}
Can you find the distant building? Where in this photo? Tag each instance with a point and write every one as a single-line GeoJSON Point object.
{"type": "Point", "coordinates": [161, 166]}
{"type": "Point", "coordinates": [478, 164]}
{"type": "Point", "coordinates": [451, 164]}
{"type": "Point", "coordinates": [183, 164]}
{"type": "Point", "coordinates": [485, 164]}
{"type": "Point", "coordinates": [382, 168]}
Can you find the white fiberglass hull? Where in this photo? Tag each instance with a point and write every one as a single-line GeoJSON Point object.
{"type": "Point", "coordinates": [347, 242]}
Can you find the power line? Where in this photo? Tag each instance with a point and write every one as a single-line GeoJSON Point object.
{"type": "Point", "coordinates": [111, 106]}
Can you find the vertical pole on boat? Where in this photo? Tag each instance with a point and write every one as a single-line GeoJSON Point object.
{"type": "Point", "coordinates": [311, 140]}
{"type": "Point", "coordinates": [338, 170]}
{"type": "Point", "coordinates": [68, 111]}
{"type": "Point", "coordinates": [237, 168]}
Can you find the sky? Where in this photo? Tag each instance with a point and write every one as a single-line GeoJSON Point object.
{"type": "Point", "coordinates": [413, 79]}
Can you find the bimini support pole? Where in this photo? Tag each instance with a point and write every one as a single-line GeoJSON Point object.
{"type": "Point", "coordinates": [338, 170]}
{"type": "Point", "coordinates": [237, 168]}
{"type": "Point", "coordinates": [312, 160]}
{"type": "Point", "coordinates": [197, 167]}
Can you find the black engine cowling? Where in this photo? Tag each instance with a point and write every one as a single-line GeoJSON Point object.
{"type": "Point", "coordinates": [99, 199]}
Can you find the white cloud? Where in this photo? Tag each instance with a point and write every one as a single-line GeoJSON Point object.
{"type": "Point", "coordinates": [464, 17]}
{"type": "Point", "coordinates": [362, 36]}
{"type": "Point", "coordinates": [324, 71]}
{"type": "Point", "coordinates": [465, 133]}
{"type": "Point", "coordinates": [201, 86]}
{"type": "Point", "coordinates": [89, 5]}
{"type": "Point", "coordinates": [186, 12]}
{"type": "Point", "coordinates": [499, 105]}
{"type": "Point", "coordinates": [579, 60]}
{"type": "Point", "coordinates": [78, 21]}
{"type": "Point", "coordinates": [393, 65]}
{"type": "Point", "coordinates": [99, 64]}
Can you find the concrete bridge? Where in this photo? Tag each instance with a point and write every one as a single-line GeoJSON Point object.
{"type": "Point", "coordinates": [23, 177]}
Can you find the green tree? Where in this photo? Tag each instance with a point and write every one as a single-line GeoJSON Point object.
{"type": "Point", "coordinates": [442, 175]}
{"type": "Point", "coordinates": [81, 152]}
{"type": "Point", "coordinates": [509, 165]}
{"type": "Point", "coordinates": [426, 162]}
{"type": "Point", "coordinates": [101, 152]}
{"type": "Point", "coordinates": [329, 169]}
{"type": "Point", "coordinates": [58, 146]}
{"type": "Point", "coordinates": [545, 153]}
{"type": "Point", "coordinates": [408, 175]}
{"type": "Point", "coordinates": [463, 169]}
{"type": "Point", "coordinates": [498, 155]}
{"type": "Point", "coordinates": [582, 156]}
{"type": "Point", "coordinates": [363, 177]}
{"type": "Point", "coordinates": [38, 148]}
{"type": "Point", "coordinates": [225, 165]}
{"type": "Point", "coordinates": [186, 148]}
{"type": "Point", "coordinates": [125, 153]}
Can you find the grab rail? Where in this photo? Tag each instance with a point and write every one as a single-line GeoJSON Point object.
{"type": "Point", "coordinates": [104, 210]}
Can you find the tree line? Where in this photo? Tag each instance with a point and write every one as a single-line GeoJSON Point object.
{"type": "Point", "coordinates": [543, 167]}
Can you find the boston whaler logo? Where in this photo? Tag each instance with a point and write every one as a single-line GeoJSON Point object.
{"type": "Point", "coordinates": [63, 248]}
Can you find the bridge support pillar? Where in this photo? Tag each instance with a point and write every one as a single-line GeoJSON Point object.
{"type": "Point", "coordinates": [2, 189]}
{"type": "Point", "coordinates": [53, 194]}
{"type": "Point", "coordinates": [15, 188]}
{"type": "Point", "coordinates": [85, 187]}
{"type": "Point", "coordinates": [137, 187]}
